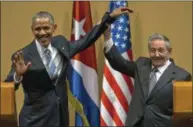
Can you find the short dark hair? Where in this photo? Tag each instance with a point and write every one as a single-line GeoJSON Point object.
{"type": "Point", "coordinates": [158, 36]}
{"type": "Point", "coordinates": [43, 14]}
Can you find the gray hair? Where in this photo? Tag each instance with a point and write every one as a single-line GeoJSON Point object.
{"type": "Point", "coordinates": [157, 36]}
{"type": "Point", "coordinates": [43, 14]}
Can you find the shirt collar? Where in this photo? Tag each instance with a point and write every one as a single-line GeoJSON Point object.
{"type": "Point", "coordinates": [161, 69]}
{"type": "Point", "coordinates": [41, 49]}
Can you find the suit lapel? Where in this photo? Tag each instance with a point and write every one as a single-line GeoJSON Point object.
{"type": "Point", "coordinates": [144, 73]}
{"type": "Point", "coordinates": [62, 47]}
{"type": "Point", "coordinates": [35, 56]}
{"type": "Point", "coordinates": [166, 77]}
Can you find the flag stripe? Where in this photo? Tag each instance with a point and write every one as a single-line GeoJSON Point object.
{"type": "Point", "coordinates": [102, 122]}
{"type": "Point", "coordinates": [105, 114]}
{"type": "Point", "coordinates": [128, 80]}
{"type": "Point", "coordinates": [108, 121]}
{"type": "Point", "coordinates": [114, 100]}
{"type": "Point", "coordinates": [116, 88]}
{"type": "Point", "coordinates": [129, 84]}
{"type": "Point", "coordinates": [79, 91]}
{"type": "Point", "coordinates": [111, 110]}
{"type": "Point", "coordinates": [120, 82]}
{"type": "Point", "coordinates": [90, 83]}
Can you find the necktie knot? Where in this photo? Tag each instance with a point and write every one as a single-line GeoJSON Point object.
{"type": "Point", "coordinates": [154, 70]}
{"type": "Point", "coordinates": [50, 65]}
{"type": "Point", "coordinates": [48, 56]}
{"type": "Point", "coordinates": [47, 52]}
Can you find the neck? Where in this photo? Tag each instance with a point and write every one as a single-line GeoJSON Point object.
{"type": "Point", "coordinates": [45, 45]}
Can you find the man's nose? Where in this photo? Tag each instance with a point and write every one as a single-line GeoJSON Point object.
{"type": "Point", "coordinates": [42, 32]}
{"type": "Point", "coordinates": [157, 53]}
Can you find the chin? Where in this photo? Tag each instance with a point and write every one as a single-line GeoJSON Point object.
{"type": "Point", "coordinates": [157, 64]}
{"type": "Point", "coordinates": [44, 43]}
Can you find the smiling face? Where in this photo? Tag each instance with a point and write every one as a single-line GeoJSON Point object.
{"type": "Point", "coordinates": [159, 53]}
{"type": "Point", "coordinates": [43, 30]}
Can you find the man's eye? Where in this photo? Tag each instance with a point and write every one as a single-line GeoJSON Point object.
{"type": "Point", "coordinates": [46, 28]}
{"type": "Point", "coordinates": [161, 50]}
{"type": "Point", "coordinates": [153, 50]}
{"type": "Point", "coordinates": [38, 29]}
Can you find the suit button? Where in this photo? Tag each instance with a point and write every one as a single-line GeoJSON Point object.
{"type": "Point", "coordinates": [58, 99]}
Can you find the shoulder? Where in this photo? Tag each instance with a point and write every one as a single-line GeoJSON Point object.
{"type": "Point", "coordinates": [59, 38]}
{"type": "Point", "coordinates": [181, 71]}
{"type": "Point", "coordinates": [143, 60]}
{"type": "Point", "coordinates": [182, 74]}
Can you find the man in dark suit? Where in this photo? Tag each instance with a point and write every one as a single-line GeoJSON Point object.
{"type": "Point", "coordinates": [41, 67]}
{"type": "Point", "coordinates": [152, 100]}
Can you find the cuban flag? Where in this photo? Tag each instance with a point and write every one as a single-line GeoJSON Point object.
{"type": "Point", "coordinates": [82, 74]}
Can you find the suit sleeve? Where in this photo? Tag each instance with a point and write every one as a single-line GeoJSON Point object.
{"type": "Point", "coordinates": [120, 64]}
{"type": "Point", "coordinates": [90, 37]}
{"type": "Point", "coordinates": [10, 77]}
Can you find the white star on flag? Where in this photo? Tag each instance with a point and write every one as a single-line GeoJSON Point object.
{"type": "Point", "coordinates": [126, 29]}
{"type": "Point", "coordinates": [123, 45]}
{"type": "Point", "coordinates": [119, 28]}
{"type": "Point", "coordinates": [78, 27]}
{"type": "Point", "coordinates": [124, 37]}
{"type": "Point", "coordinates": [118, 3]}
{"type": "Point", "coordinates": [117, 36]}
{"type": "Point", "coordinates": [121, 20]}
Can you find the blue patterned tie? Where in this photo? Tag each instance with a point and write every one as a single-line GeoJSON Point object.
{"type": "Point", "coordinates": [51, 66]}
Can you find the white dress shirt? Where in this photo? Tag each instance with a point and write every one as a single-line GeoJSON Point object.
{"type": "Point", "coordinates": [55, 57]}
{"type": "Point", "coordinates": [161, 69]}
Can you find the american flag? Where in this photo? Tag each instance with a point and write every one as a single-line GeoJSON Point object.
{"type": "Point", "coordinates": [117, 88]}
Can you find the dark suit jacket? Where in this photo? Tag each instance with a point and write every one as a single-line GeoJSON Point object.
{"type": "Point", "coordinates": [46, 105]}
{"type": "Point", "coordinates": [156, 109]}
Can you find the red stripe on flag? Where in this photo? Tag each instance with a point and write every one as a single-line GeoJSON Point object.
{"type": "Point", "coordinates": [111, 110]}
{"type": "Point", "coordinates": [102, 122]}
{"type": "Point", "coordinates": [127, 78]}
{"type": "Point", "coordinates": [129, 83]}
{"type": "Point", "coordinates": [115, 87]}
{"type": "Point", "coordinates": [129, 53]}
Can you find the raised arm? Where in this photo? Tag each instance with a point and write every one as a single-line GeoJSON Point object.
{"type": "Point", "coordinates": [115, 59]}
{"type": "Point", "coordinates": [95, 33]}
{"type": "Point", "coordinates": [18, 68]}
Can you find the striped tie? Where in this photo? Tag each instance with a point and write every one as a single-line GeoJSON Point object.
{"type": "Point", "coordinates": [153, 79]}
{"type": "Point", "coordinates": [50, 65]}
